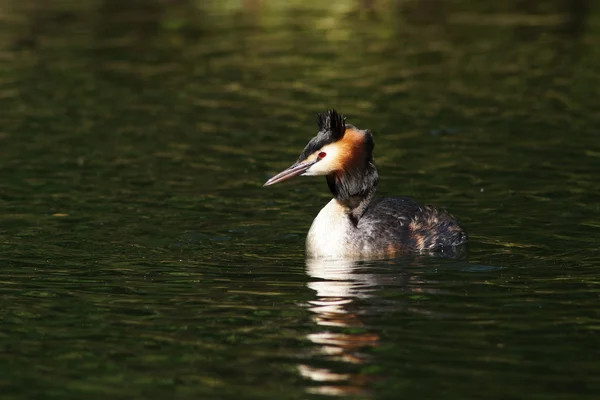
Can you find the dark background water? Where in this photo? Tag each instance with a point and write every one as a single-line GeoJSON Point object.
{"type": "Point", "coordinates": [140, 256]}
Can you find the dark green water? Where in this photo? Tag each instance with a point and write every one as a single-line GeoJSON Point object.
{"type": "Point", "coordinates": [140, 256]}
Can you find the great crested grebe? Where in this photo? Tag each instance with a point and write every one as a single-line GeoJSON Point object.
{"type": "Point", "coordinates": [355, 224]}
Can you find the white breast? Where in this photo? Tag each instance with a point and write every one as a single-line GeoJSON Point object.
{"type": "Point", "coordinates": [329, 232]}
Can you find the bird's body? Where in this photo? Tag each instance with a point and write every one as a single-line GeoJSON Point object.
{"type": "Point", "coordinates": [355, 224]}
{"type": "Point", "coordinates": [389, 227]}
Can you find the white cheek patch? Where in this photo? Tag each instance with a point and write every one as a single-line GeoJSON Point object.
{"type": "Point", "coordinates": [327, 164]}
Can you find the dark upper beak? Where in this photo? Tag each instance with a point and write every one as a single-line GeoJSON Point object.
{"type": "Point", "coordinates": [294, 170]}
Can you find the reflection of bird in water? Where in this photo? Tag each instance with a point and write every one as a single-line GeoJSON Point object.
{"type": "Point", "coordinates": [337, 284]}
{"type": "Point", "coordinates": [355, 224]}
{"type": "Point", "coordinates": [347, 295]}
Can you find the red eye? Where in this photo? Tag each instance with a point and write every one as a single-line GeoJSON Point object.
{"type": "Point", "coordinates": [322, 154]}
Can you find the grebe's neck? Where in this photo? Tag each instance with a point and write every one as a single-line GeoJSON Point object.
{"type": "Point", "coordinates": [354, 188]}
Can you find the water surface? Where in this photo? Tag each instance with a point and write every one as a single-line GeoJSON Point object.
{"type": "Point", "coordinates": [142, 258]}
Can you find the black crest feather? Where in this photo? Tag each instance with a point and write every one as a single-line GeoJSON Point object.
{"type": "Point", "coordinates": [331, 129]}
{"type": "Point", "coordinates": [332, 122]}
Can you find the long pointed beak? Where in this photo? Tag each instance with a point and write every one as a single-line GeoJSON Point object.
{"type": "Point", "coordinates": [294, 170]}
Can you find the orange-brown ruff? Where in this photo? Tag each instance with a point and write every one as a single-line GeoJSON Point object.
{"type": "Point", "coordinates": [354, 224]}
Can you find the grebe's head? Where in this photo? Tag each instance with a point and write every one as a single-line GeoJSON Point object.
{"type": "Point", "coordinates": [338, 148]}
